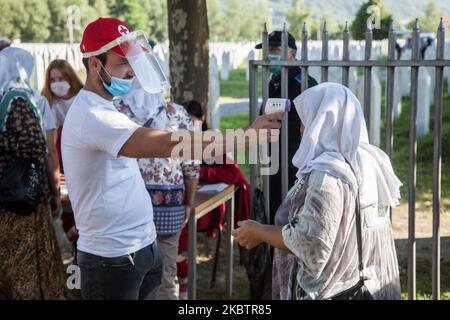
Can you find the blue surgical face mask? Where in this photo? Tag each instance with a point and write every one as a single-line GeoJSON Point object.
{"type": "Point", "coordinates": [274, 57]}
{"type": "Point", "coordinates": [118, 87]}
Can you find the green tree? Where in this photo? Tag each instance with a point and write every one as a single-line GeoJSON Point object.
{"type": "Point", "coordinates": [156, 12]}
{"type": "Point", "coordinates": [10, 18]}
{"type": "Point", "coordinates": [27, 20]}
{"type": "Point", "coordinates": [130, 12]}
{"type": "Point", "coordinates": [89, 11]}
{"type": "Point", "coordinates": [252, 25]}
{"type": "Point", "coordinates": [234, 20]}
{"type": "Point", "coordinates": [430, 21]}
{"type": "Point", "coordinates": [296, 15]}
{"type": "Point", "coordinates": [335, 29]}
{"type": "Point", "coordinates": [35, 21]}
{"type": "Point", "coordinates": [359, 25]}
{"type": "Point", "coordinates": [58, 21]}
{"type": "Point", "coordinates": [216, 20]}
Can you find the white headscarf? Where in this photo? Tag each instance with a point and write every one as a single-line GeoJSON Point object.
{"type": "Point", "coordinates": [11, 76]}
{"type": "Point", "coordinates": [21, 66]}
{"type": "Point", "coordinates": [10, 71]}
{"type": "Point", "coordinates": [25, 60]}
{"type": "Point", "coordinates": [335, 132]}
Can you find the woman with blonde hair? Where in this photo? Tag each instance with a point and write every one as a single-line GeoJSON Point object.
{"type": "Point", "coordinates": [61, 86]}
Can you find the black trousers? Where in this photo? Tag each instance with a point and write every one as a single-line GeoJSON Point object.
{"type": "Point", "coordinates": [130, 277]}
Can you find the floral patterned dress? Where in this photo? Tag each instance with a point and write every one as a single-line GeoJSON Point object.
{"type": "Point", "coordinates": [30, 261]}
{"type": "Point", "coordinates": [164, 177]}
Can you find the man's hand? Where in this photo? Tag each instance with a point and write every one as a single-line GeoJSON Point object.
{"type": "Point", "coordinates": [268, 121]}
{"type": "Point", "coordinates": [187, 213]}
{"type": "Point", "coordinates": [247, 235]}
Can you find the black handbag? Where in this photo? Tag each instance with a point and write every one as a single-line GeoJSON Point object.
{"type": "Point", "coordinates": [359, 291]}
{"type": "Point", "coordinates": [20, 186]}
{"type": "Point", "coordinates": [257, 261]}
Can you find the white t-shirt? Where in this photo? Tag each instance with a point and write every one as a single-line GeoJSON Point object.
{"type": "Point", "coordinates": [60, 108]}
{"type": "Point", "coordinates": [47, 115]}
{"type": "Point", "coordinates": [113, 211]}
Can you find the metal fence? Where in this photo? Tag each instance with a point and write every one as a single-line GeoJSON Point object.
{"type": "Point", "coordinates": [390, 64]}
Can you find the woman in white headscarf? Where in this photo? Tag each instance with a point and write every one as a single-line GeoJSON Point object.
{"type": "Point", "coordinates": [315, 238]}
{"type": "Point", "coordinates": [30, 260]}
{"type": "Point", "coordinates": [20, 76]}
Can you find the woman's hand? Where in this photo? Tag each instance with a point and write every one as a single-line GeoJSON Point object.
{"type": "Point", "coordinates": [248, 233]}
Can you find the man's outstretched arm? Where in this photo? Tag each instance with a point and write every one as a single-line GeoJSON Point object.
{"type": "Point", "coordinates": [149, 143]}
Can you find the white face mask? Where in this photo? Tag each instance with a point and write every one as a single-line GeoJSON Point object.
{"type": "Point", "coordinates": [60, 89]}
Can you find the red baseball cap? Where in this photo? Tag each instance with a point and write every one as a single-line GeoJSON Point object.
{"type": "Point", "coordinates": [101, 32]}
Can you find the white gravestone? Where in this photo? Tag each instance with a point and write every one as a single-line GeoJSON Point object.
{"type": "Point", "coordinates": [423, 102]}
{"type": "Point", "coordinates": [375, 107]}
{"type": "Point", "coordinates": [353, 80]}
{"type": "Point", "coordinates": [447, 70]}
{"type": "Point", "coordinates": [225, 68]}
{"type": "Point", "coordinates": [334, 73]}
{"type": "Point", "coordinates": [397, 106]}
{"type": "Point", "coordinates": [430, 54]}
{"type": "Point", "coordinates": [214, 93]}
{"type": "Point", "coordinates": [405, 75]}
{"type": "Point", "coordinates": [251, 56]}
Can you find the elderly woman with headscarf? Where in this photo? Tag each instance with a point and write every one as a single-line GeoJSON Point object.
{"type": "Point", "coordinates": [25, 62]}
{"type": "Point", "coordinates": [315, 235]}
{"type": "Point", "coordinates": [30, 261]}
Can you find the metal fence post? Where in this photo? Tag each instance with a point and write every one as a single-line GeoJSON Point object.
{"type": "Point", "coordinates": [390, 92]}
{"type": "Point", "coordinates": [437, 152]}
{"type": "Point", "coordinates": [253, 95]}
{"type": "Point", "coordinates": [346, 55]}
{"type": "Point", "coordinates": [304, 58]}
{"type": "Point", "coordinates": [412, 167]}
{"type": "Point", "coordinates": [284, 129]}
{"type": "Point", "coordinates": [265, 96]}
{"type": "Point", "coordinates": [324, 52]}
{"type": "Point", "coordinates": [368, 77]}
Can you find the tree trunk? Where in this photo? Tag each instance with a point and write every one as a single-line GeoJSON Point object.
{"type": "Point", "coordinates": [189, 50]}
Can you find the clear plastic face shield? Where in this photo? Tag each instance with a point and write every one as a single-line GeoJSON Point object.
{"type": "Point", "coordinates": [135, 47]}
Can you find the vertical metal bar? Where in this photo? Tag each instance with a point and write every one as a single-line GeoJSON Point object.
{"type": "Point", "coordinates": [437, 153]}
{"type": "Point", "coordinates": [324, 51]}
{"type": "Point", "coordinates": [346, 55]}
{"type": "Point", "coordinates": [253, 97]}
{"type": "Point", "coordinates": [304, 57]}
{"type": "Point", "coordinates": [230, 247]}
{"type": "Point", "coordinates": [412, 167]}
{"type": "Point", "coordinates": [192, 258]}
{"type": "Point", "coordinates": [390, 83]}
{"type": "Point", "coordinates": [390, 93]}
{"type": "Point", "coordinates": [284, 128]}
{"type": "Point", "coordinates": [265, 96]}
{"type": "Point", "coordinates": [368, 77]}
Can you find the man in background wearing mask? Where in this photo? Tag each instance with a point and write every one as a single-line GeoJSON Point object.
{"type": "Point", "coordinates": [294, 89]}
{"type": "Point", "coordinates": [117, 250]}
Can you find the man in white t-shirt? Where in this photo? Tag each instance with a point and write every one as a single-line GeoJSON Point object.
{"type": "Point", "coordinates": [117, 252]}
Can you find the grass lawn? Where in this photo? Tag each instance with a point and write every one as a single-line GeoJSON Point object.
{"type": "Point", "coordinates": [237, 87]}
